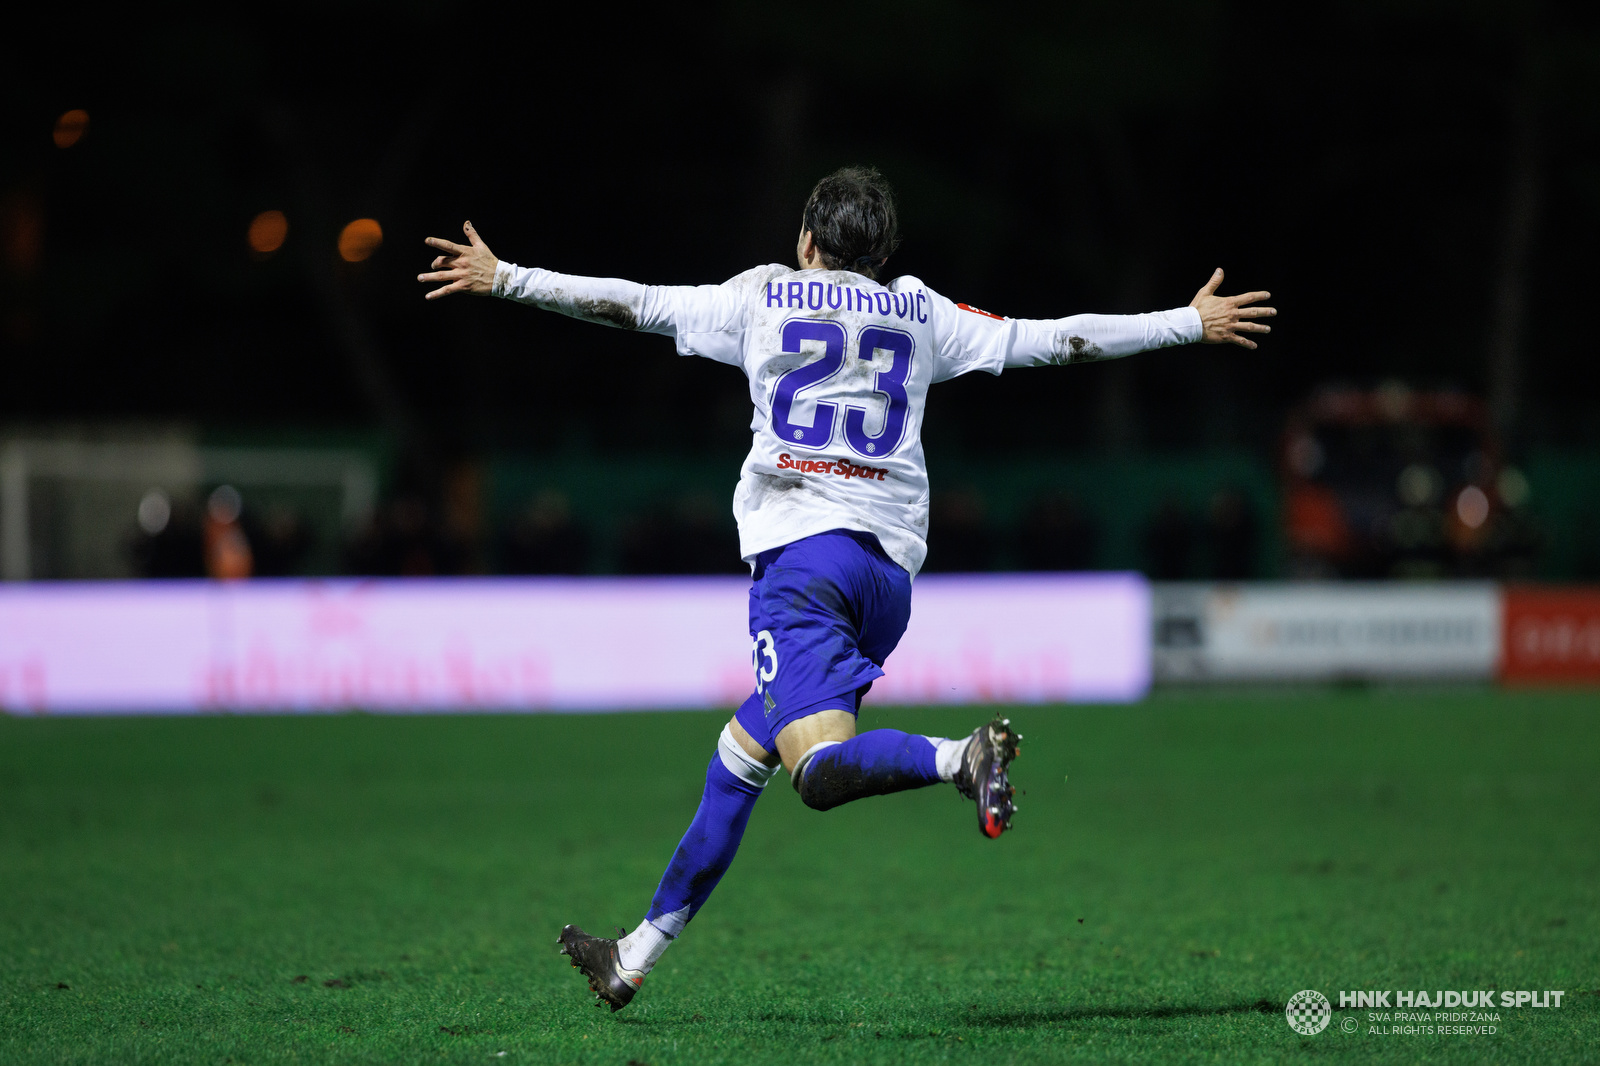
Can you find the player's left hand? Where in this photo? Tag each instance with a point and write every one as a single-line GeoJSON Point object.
{"type": "Point", "coordinates": [1225, 318]}
{"type": "Point", "coordinates": [463, 267]}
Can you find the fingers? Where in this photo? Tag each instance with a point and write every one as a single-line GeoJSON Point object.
{"type": "Point", "coordinates": [1210, 287]}
{"type": "Point", "coordinates": [446, 290]}
{"type": "Point", "coordinates": [1257, 312]}
{"type": "Point", "coordinates": [1252, 327]}
{"type": "Point", "coordinates": [460, 267]}
{"type": "Point", "coordinates": [1248, 298]}
{"type": "Point", "coordinates": [1233, 338]}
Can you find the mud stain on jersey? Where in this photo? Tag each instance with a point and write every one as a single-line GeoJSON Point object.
{"type": "Point", "coordinates": [787, 491]}
{"type": "Point", "coordinates": [860, 368]}
{"type": "Point", "coordinates": [1070, 349]}
{"type": "Point", "coordinates": [777, 486]}
{"type": "Point", "coordinates": [608, 311]}
{"type": "Point", "coordinates": [589, 309]}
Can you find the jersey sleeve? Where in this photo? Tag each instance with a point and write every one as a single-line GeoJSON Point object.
{"type": "Point", "coordinates": [1090, 338]}
{"type": "Point", "coordinates": [705, 320]}
{"type": "Point", "coordinates": [969, 339]}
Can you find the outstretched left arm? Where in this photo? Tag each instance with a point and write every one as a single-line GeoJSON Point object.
{"type": "Point", "coordinates": [1208, 319]}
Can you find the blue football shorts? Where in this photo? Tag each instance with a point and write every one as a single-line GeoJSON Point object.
{"type": "Point", "coordinates": [825, 612]}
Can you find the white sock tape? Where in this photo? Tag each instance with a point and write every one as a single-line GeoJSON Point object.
{"type": "Point", "coordinates": [740, 764]}
{"type": "Point", "coordinates": [805, 760]}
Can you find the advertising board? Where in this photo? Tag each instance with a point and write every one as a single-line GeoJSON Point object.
{"type": "Point", "coordinates": [531, 644]}
{"type": "Point", "coordinates": [1551, 635]}
{"type": "Point", "coordinates": [1325, 631]}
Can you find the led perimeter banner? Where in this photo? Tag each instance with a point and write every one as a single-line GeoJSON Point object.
{"type": "Point", "coordinates": [533, 644]}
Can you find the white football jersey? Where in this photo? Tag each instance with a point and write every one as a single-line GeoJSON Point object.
{"type": "Point", "coordinates": [839, 368]}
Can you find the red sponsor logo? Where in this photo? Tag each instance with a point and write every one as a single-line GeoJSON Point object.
{"type": "Point", "coordinates": [839, 468]}
{"type": "Point", "coordinates": [981, 311]}
{"type": "Point", "coordinates": [1551, 634]}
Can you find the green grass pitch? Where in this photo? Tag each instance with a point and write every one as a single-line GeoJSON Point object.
{"type": "Point", "coordinates": [380, 889]}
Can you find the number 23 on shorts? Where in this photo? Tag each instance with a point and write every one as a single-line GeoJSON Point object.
{"type": "Point", "coordinates": [764, 647]}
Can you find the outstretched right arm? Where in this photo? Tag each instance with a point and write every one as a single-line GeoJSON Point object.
{"type": "Point", "coordinates": [702, 319]}
{"type": "Point", "coordinates": [472, 267]}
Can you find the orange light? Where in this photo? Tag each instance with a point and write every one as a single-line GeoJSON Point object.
{"type": "Point", "coordinates": [267, 232]}
{"type": "Point", "coordinates": [360, 239]}
{"type": "Point", "coordinates": [1472, 507]}
{"type": "Point", "coordinates": [70, 127]}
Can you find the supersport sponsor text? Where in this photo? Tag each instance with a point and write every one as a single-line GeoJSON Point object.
{"type": "Point", "coordinates": [842, 467]}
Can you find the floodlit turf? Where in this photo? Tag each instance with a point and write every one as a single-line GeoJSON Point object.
{"type": "Point", "coordinates": [389, 889]}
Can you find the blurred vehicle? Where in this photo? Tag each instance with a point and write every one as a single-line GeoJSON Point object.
{"type": "Point", "coordinates": [1391, 482]}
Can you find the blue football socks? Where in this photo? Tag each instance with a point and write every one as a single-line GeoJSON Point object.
{"type": "Point", "coordinates": [706, 850]}
{"type": "Point", "coordinates": [733, 784]}
{"type": "Point", "coordinates": [874, 763]}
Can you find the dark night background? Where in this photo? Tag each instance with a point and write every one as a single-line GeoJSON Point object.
{"type": "Point", "coordinates": [1418, 184]}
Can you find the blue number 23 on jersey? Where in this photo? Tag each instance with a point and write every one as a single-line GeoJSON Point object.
{"type": "Point", "coordinates": [890, 384]}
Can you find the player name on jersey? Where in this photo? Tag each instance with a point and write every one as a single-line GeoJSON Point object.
{"type": "Point", "coordinates": [817, 295]}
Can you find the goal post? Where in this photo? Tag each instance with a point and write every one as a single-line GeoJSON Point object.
{"type": "Point", "coordinates": [66, 505]}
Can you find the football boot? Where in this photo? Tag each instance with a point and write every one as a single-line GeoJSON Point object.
{"type": "Point", "coordinates": [982, 777]}
{"type": "Point", "coordinates": [596, 958]}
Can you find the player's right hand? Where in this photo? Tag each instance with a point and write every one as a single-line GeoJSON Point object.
{"type": "Point", "coordinates": [463, 267]}
{"type": "Point", "coordinates": [1225, 318]}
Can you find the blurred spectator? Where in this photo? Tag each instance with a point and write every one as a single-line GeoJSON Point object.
{"type": "Point", "coordinates": [1413, 540]}
{"type": "Point", "coordinates": [1318, 533]}
{"type": "Point", "coordinates": [167, 541]}
{"type": "Point", "coordinates": [281, 539]}
{"type": "Point", "coordinates": [228, 555]}
{"type": "Point", "coordinates": [1517, 544]}
{"type": "Point", "coordinates": [404, 540]}
{"type": "Point", "coordinates": [1233, 535]}
{"type": "Point", "coordinates": [1169, 542]}
{"type": "Point", "coordinates": [696, 534]}
{"type": "Point", "coordinates": [544, 539]}
{"type": "Point", "coordinates": [959, 540]}
{"type": "Point", "coordinates": [463, 517]}
{"type": "Point", "coordinates": [1488, 528]}
{"type": "Point", "coordinates": [1055, 535]}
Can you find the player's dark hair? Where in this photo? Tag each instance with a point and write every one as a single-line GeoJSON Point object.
{"type": "Point", "coordinates": [852, 218]}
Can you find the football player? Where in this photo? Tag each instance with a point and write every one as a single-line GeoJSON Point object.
{"type": "Point", "coordinates": [832, 506]}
